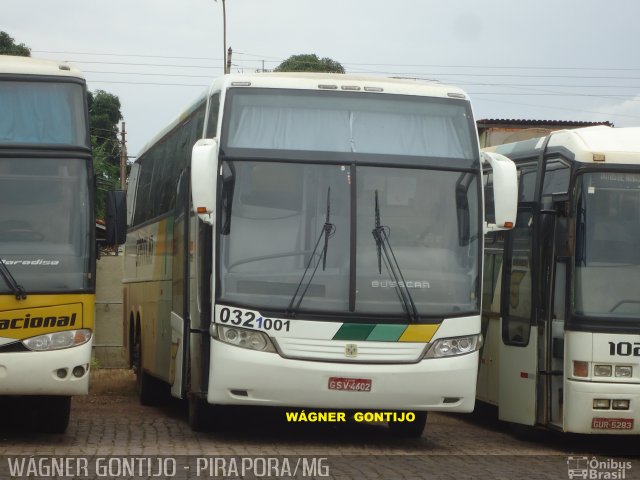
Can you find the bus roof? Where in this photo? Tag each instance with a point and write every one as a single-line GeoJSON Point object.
{"type": "Point", "coordinates": [316, 81]}
{"type": "Point", "coordinates": [36, 66]}
{"type": "Point", "coordinates": [349, 82]}
{"type": "Point", "coordinates": [617, 145]}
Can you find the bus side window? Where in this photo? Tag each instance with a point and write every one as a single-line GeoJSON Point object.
{"type": "Point", "coordinates": [212, 117]}
{"type": "Point", "coordinates": [527, 182]}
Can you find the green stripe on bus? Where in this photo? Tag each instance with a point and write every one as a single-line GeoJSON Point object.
{"type": "Point", "coordinates": [353, 331]}
{"type": "Point", "coordinates": [387, 333]}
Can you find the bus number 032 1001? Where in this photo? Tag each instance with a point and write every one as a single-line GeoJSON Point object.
{"type": "Point", "coordinates": [249, 320]}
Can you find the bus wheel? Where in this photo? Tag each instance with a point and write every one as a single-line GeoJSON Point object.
{"type": "Point", "coordinates": [53, 414]}
{"type": "Point", "coordinates": [199, 413]}
{"type": "Point", "coordinates": [409, 429]}
{"type": "Point", "coordinates": [144, 382]}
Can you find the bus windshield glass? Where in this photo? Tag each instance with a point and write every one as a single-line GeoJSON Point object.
{"type": "Point", "coordinates": [275, 120]}
{"type": "Point", "coordinates": [44, 223]}
{"type": "Point", "coordinates": [607, 252]}
{"type": "Point", "coordinates": [273, 214]}
{"type": "Point", "coordinates": [51, 113]}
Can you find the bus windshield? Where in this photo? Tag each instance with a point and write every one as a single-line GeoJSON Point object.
{"type": "Point", "coordinates": [44, 223]}
{"type": "Point", "coordinates": [607, 253]}
{"type": "Point", "coordinates": [276, 120]}
{"type": "Point", "coordinates": [273, 214]}
{"type": "Point", "coordinates": [51, 113]}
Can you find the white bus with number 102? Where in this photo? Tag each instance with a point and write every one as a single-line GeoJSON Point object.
{"type": "Point", "coordinates": [561, 306]}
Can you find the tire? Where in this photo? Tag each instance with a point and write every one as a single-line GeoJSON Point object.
{"type": "Point", "coordinates": [145, 384]}
{"type": "Point", "coordinates": [200, 413]}
{"type": "Point", "coordinates": [53, 414]}
{"type": "Point", "coordinates": [413, 429]}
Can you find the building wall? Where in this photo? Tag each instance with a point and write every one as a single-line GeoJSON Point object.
{"type": "Point", "coordinates": [500, 135]}
{"type": "Point", "coordinates": [108, 341]}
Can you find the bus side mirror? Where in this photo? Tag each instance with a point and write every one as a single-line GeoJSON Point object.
{"type": "Point", "coordinates": [502, 193]}
{"type": "Point", "coordinates": [204, 165]}
{"type": "Point", "coordinates": [116, 213]}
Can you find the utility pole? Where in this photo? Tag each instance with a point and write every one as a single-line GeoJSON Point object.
{"type": "Point", "coordinates": [228, 65]}
{"type": "Point", "coordinates": [123, 158]}
{"type": "Point", "coordinates": [224, 38]}
{"type": "Point", "coordinates": [226, 62]}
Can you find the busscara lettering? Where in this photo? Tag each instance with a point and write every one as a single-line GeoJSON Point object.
{"type": "Point", "coordinates": [37, 322]}
{"type": "Point", "coordinates": [392, 284]}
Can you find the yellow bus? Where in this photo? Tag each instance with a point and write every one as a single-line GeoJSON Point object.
{"type": "Point", "coordinates": [47, 238]}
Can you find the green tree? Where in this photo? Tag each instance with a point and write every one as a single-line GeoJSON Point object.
{"type": "Point", "coordinates": [104, 116]}
{"type": "Point", "coordinates": [107, 177]}
{"type": "Point", "coordinates": [8, 46]}
{"type": "Point", "coordinates": [309, 62]}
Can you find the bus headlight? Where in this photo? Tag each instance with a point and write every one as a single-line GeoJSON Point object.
{"type": "Point", "coordinates": [602, 370]}
{"type": "Point", "coordinates": [624, 371]}
{"type": "Point", "coordinates": [58, 340]}
{"type": "Point", "coordinates": [449, 347]}
{"type": "Point", "coordinates": [245, 338]}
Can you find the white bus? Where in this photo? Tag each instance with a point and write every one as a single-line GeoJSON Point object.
{"type": "Point", "coordinates": [320, 247]}
{"type": "Point", "coordinates": [47, 239]}
{"type": "Point", "coordinates": [561, 307]}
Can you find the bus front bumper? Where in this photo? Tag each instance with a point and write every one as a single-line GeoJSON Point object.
{"type": "Point", "coordinates": [581, 417]}
{"type": "Point", "coordinates": [37, 373]}
{"type": "Point", "coordinates": [239, 376]}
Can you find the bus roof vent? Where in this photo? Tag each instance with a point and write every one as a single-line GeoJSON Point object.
{"type": "Point", "coordinates": [456, 95]}
{"type": "Point", "coordinates": [351, 88]}
{"type": "Point", "coordinates": [240, 84]}
{"type": "Point", "coordinates": [373, 89]}
{"type": "Point", "coordinates": [328, 87]}
{"type": "Point", "coordinates": [64, 66]}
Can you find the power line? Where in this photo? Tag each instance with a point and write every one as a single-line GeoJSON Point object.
{"type": "Point", "coordinates": [127, 55]}
{"type": "Point", "coordinates": [148, 83]}
{"type": "Point", "coordinates": [144, 64]}
{"type": "Point", "coordinates": [153, 74]}
{"type": "Point", "coordinates": [277, 59]}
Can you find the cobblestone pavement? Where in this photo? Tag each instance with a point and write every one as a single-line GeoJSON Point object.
{"type": "Point", "coordinates": [110, 421]}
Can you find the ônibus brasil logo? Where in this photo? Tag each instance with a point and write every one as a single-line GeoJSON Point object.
{"type": "Point", "coordinates": [592, 468]}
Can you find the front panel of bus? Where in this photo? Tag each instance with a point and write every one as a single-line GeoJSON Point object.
{"type": "Point", "coordinates": [46, 236]}
{"type": "Point", "coordinates": [602, 364]}
{"type": "Point", "coordinates": [347, 251]}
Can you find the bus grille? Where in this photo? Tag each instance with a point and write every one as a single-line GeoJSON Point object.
{"type": "Point", "coordinates": [336, 350]}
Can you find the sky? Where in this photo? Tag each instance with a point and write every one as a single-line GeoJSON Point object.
{"type": "Point", "coordinates": [517, 59]}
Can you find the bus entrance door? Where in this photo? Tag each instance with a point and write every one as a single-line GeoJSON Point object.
{"type": "Point", "coordinates": [554, 264]}
{"type": "Point", "coordinates": [519, 343]}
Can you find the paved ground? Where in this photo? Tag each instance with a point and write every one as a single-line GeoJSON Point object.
{"type": "Point", "coordinates": [111, 422]}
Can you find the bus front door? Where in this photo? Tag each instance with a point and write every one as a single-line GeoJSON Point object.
{"type": "Point", "coordinates": [519, 343]}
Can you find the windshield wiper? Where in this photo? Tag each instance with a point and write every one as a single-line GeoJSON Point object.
{"type": "Point", "coordinates": [381, 236]}
{"type": "Point", "coordinates": [17, 289]}
{"type": "Point", "coordinates": [328, 231]}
